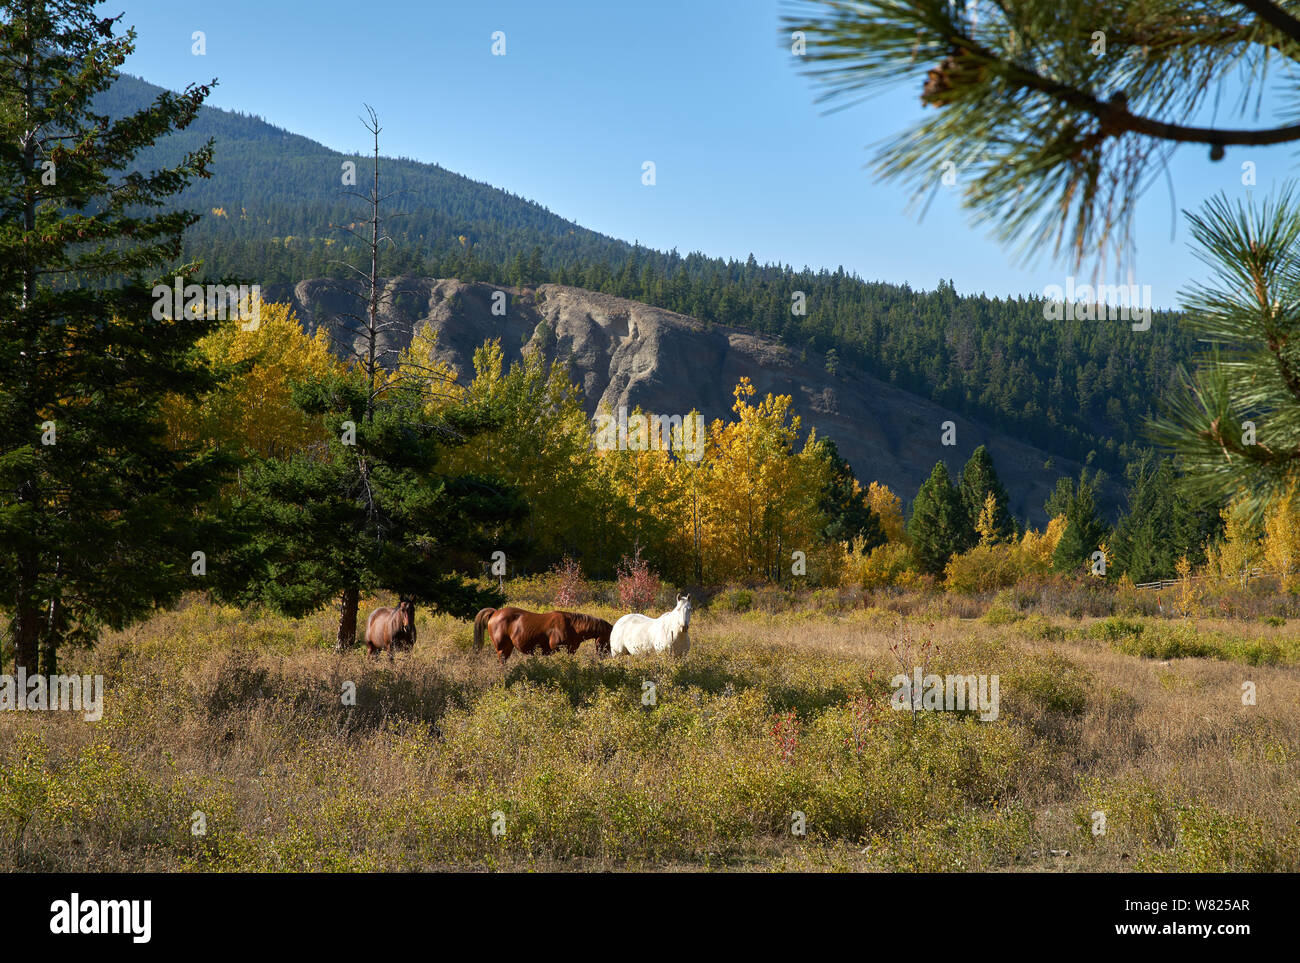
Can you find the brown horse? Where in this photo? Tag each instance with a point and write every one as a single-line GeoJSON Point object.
{"type": "Point", "coordinates": [390, 629]}
{"type": "Point", "coordinates": [545, 632]}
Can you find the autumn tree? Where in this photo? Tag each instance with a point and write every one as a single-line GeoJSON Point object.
{"type": "Point", "coordinates": [648, 511]}
{"type": "Point", "coordinates": [252, 411]}
{"type": "Point", "coordinates": [1281, 543]}
{"type": "Point", "coordinates": [888, 507]}
{"type": "Point", "coordinates": [1234, 557]}
{"type": "Point", "coordinates": [764, 493]}
{"type": "Point", "coordinates": [539, 445]}
{"type": "Point", "coordinates": [99, 517]}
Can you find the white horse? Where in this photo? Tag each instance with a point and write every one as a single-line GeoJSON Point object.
{"type": "Point", "coordinates": [637, 634]}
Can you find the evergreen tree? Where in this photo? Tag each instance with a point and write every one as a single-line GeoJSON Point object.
{"type": "Point", "coordinates": [371, 510]}
{"type": "Point", "coordinates": [845, 505]}
{"type": "Point", "coordinates": [938, 528]}
{"type": "Point", "coordinates": [978, 480]}
{"type": "Point", "coordinates": [1235, 421]}
{"type": "Point", "coordinates": [1057, 113]}
{"type": "Point", "coordinates": [1084, 529]}
{"type": "Point", "coordinates": [1161, 526]}
{"type": "Point", "coordinates": [98, 519]}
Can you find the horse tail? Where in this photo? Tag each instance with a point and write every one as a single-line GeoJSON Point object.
{"type": "Point", "coordinates": [480, 624]}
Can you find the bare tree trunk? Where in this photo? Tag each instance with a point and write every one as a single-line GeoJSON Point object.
{"type": "Point", "coordinates": [27, 613]}
{"type": "Point", "coordinates": [53, 628]}
{"type": "Point", "coordinates": [27, 620]}
{"type": "Point", "coordinates": [372, 309]}
{"type": "Point", "coordinates": [347, 634]}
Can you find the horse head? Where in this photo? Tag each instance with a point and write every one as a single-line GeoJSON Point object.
{"type": "Point", "coordinates": [684, 604]}
{"type": "Point", "coordinates": [407, 609]}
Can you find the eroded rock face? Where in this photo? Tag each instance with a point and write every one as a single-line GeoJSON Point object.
{"type": "Point", "coordinates": [626, 353]}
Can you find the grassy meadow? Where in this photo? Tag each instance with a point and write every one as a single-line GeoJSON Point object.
{"type": "Point", "coordinates": [235, 723]}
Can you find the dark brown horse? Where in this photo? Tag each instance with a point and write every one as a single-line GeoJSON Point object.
{"type": "Point", "coordinates": [544, 632]}
{"type": "Point", "coordinates": [390, 629]}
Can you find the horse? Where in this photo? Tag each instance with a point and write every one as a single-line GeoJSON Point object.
{"type": "Point", "coordinates": [546, 632]}
{"type": "Point", "coordinates": [635, 634]}
{"type": "Point", "coordinates": [390, 629]}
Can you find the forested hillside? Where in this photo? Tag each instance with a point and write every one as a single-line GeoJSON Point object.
{"type": "Point", "coordinates": [274, 208]}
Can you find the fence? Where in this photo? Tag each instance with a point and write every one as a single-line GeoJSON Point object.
{"type": "Point", "coordinates": [1171, 582]}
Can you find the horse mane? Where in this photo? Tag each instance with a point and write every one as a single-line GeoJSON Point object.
{"type": "Point", "coordinates": [587, 623]}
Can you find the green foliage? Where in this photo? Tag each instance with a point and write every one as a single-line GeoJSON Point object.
{"type": "Point", "coordinates": [1184, 640]}
{"type": "Point", "coordinates": [98, 516]}
{"type": "Point", "coordinates": [978, 480]}
{"type": "Point", "coordinates": [1054, 115]}
{"type": "Point", "coordinates": [849, 515]}
{"type": "Point", "coordinates": [939, 528]}
{"type": "Point", "coordinates": [1084, 529]}
{"type": "Point", "coordinates": [1162, 524]}
{"type": "Point", "coordinates": [374, 514]}
{"type": "Point", "coordinates": [1235, 420]}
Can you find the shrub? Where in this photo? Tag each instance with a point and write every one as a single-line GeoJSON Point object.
{"type": "Point", "coordinates": [885, 566]}
{"type": "Point", "coordinates": [986, 568]}
{"type": "Point", "coordinates": [571, 588]}
{"type": "Point", "coordinates": [733, 600]}
{"type": "Point", "coordinates": [638, 585]}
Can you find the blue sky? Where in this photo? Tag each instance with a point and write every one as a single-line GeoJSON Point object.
{"type": "Point", "coordinates": [746, 160]}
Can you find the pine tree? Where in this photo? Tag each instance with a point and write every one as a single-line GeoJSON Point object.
{"type": "Point", "coordinates": [1161, 525]}
{"type": "Point", "coordinates": [939, 528]}
{"type": "Point", "coordinates": [1235, 420]}
{"type": "Point", "coordinates": [1055, 115]}
{"type": "Point", "coordinates": [978, 480]}
{"type": "Point", "coordinates": [98, 516]}
{"type": "Point", "coordinates": [1084, 529]}
{"type": "Point", "coordinates": [371, 510]}
{"type": "Point", "coordinates": [849, 514]}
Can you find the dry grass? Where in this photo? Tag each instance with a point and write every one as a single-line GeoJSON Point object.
{"type": "Point", "coordinates": [241, 717]}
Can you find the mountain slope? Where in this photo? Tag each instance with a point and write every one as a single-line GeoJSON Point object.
{"type": "Point", "coordinates": [623, 352]}
{"type": "Point", "coordinates": [274, 209]}
{"type": "Point", "coordinates": [272, 184]}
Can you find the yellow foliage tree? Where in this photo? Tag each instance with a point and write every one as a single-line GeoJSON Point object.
{"type": "Point", "coordinates": [1281, 545]}
{"type": "Point", "coordinates": [541, 447]}
{"type": "Point", "coordinates": [1039, 547]}
{"type": "Point", "coordinates": [1238, 552]}
{"type": "Point", "coordinates": [986, 524]}
{"type": "Point", "coordinates": [889, 509]}
{"type": "Point", "coordinates": [419, 364]}
{"type": "Point", "coordinates": [762, 498]}
{"type": "Point", "coordinates": [645, 504]}
{"type": "Point", "coordinates": [253, 411]}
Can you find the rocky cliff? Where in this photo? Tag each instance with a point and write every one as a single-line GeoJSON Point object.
{"type": "Point", "coordinates": [626, 353]}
